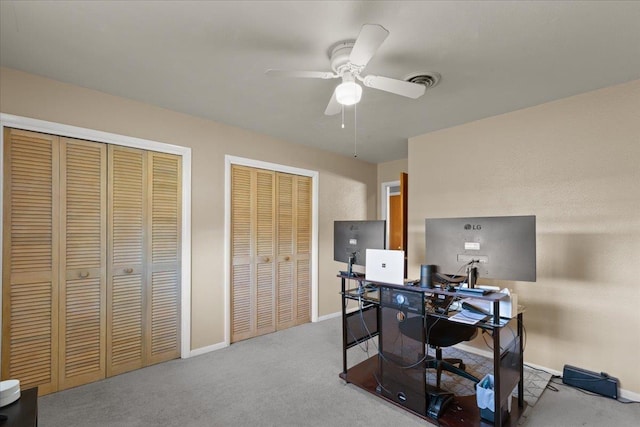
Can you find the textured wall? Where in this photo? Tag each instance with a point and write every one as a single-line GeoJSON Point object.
{"type": "Point", "coordinates": [347, 187]}
{"type": "Point", "coordinates": [575, 164]}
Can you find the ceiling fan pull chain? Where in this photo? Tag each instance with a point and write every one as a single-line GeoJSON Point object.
{"type": "Point", "coordinates": [342, 116]}
{"type": "Point", "coordinates": [355, 130]}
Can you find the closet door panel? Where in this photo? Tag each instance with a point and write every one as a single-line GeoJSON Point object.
{"type": "Point", "coordinates": [126, 260]}
{"type": "Point", "coordinates": [241, 309]}
{"type": "Point", "coordinates": [242, 312]}
{"type": "Point", "coordinates": [285, 279]}
{"type": "Point", "coordinates": [83, 185]}
{"type": "Point", "coordinates": [303, 250]}
{"type": "Point", "coordinates": [264, 220]}
{"type": "Point", "coordinates": [163, 294]}
{"type": "Point", "coordinates": [303, 291]}
{"type": "Point", "coordinates": [252, 248]}
{"type": "Point", "coordinates": [30, 270]}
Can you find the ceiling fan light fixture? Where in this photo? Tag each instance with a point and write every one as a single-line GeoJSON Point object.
{"type": "Point", "coordinates": [348, 93]}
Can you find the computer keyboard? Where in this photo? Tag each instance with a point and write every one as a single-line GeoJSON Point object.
{"type": "Point", "coordinates": [472, 291]}
{"type": "Point", "coordinates": [474, 308]}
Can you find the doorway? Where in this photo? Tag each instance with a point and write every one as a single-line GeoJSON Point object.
{"type": "Point", "coordinates": [393, 209]}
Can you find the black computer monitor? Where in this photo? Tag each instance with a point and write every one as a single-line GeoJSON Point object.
{"type": "Point", "coordinates": [499, 247]}
{"type": "Point", "coordinates": [351, 239]}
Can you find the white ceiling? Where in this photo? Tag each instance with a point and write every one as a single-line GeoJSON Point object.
{"type": "Point", "coordinates": [208, 59]}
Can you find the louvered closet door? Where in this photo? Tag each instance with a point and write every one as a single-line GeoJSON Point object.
{"type": "Point", "coordinates": [293, 250]}
{"type": "Point", "coordinates": [127, 170]}
{"type": "Point", "coordinates": [252, 252]}
{"type": "Point", "coordinates": [30, 260]}
{"type": "Point", "coordinates": [83, 191]}
{"type": "Point", "coordinates": [271, 247]}
{"type": "Point", "coordinates": [303, 250]}
{"type": "Point", "coordinates": [163, 292]}
{"type": "Point", "coordinates": [263, 260]}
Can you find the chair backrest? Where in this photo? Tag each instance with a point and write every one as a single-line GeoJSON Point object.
{"type": "Point", "coordinates": [439, 332]}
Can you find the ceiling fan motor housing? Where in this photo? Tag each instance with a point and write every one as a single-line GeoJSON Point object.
{"type": "Point", "coordinates": [340, 58]}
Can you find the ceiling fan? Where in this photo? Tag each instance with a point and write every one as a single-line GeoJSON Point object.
{"type": "Point", "coordinates": [348, 60]}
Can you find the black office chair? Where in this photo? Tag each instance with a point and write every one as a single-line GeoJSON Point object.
{"type": "Point", "coordinates": [441, 333]}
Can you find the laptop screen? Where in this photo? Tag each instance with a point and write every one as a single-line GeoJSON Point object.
{"type": "Point", "coordinates": [385, 266]}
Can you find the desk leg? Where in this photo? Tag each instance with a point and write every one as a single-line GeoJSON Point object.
{"type": "Point", "coordinates": [521, 351]}
{"type": "Point", "coordinates": [497, 409]}
{"type": "Point", "coordinates": [344, 331]}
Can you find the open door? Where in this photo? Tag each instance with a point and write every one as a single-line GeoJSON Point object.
{"type": "Point", "coordinates": [397, 218]}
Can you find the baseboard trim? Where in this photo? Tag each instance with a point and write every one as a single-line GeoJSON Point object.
{"type": "Point", "coordinates": [474, 350]}
{"type": "Point", "coordinates": [221, 345]}
{"type": "Point", "coordinates": [329, 316]}
{"type": "Point", "coordinates": [630, 395]}
{"type": "Point", "coordinates": [207, 349]}
{"type": "Point", "coordinates": [337, 314]}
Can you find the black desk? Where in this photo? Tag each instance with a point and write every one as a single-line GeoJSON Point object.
{"type": "Point", "coordinates": [23, 412]}
{"type": "Point", "coordinates": [508, 367]}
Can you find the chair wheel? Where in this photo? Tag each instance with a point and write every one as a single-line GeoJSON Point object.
{"type": "Point", "coordinates": [463, 366]}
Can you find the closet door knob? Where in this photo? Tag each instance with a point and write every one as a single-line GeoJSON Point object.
{"type": "Point", "coordinates": [84, 274]}
{"type": "Point", "coordinates": [287, 258]}
{"type": "Point", "coordinates": [128, 270]}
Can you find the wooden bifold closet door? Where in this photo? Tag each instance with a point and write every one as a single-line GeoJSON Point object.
{"type": "Point", "coordinates": [83, 237]}
{"type": "Point", "coordinates": [270, 247]}
{"type": "Point", "coordinates": [91, 260]}
{"type": "Point", "coordinates": [143, 303]}
{"type": "Point", "coordinates": [31, 231]}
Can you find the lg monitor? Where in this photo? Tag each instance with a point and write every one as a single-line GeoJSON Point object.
{"type": "Point", "coordinates": [501, 247]}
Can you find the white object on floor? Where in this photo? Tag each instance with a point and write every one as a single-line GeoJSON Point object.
{"type": "Point", "coordinates": [9, 392]}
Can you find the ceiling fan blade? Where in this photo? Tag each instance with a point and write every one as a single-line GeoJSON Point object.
{"type": "Point", "coordinates": [399, 87]}
{"type": "Point", "coordinates": [334, 107]}
{"type": "Point", "coordinates": [369, 40]}
{"type": "Point", "coordinates": [302, 74]}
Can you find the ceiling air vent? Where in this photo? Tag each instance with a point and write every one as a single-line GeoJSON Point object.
{"type": "Point", "coordinates": [429, 80]}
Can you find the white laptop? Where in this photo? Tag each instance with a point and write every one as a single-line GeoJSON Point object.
{"type": "Point", "coordinates": [385, 266]}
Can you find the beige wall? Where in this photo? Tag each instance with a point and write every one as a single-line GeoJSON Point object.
{"type": "Point", "coordinates": [575, 164]}
{"type": "Point", "coordinates": [389, 172]}
{"type": "Point", "coordinates": [347, 187]}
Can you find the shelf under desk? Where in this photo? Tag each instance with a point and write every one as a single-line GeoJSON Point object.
{"type": "Point", "coordinates": [463, 412]}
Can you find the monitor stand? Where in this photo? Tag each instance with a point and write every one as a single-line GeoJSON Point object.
{"type": "Point", "coordinates": [352, 259]}
{"type": "Point", "coordinates": [350, 274]}
{"type": "Point", "coordinates": [472, 276]}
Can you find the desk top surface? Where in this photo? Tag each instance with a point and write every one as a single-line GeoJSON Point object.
{"type": "Point", "coordinates": [23, 412]}
{"type": "Point", "coordinates": [372, 295]}
{"type": "Point", "coordinates": [492, 296]}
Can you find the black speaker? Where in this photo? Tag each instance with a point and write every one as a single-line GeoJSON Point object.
{"type": "Point", "coordinates": [426, 275]}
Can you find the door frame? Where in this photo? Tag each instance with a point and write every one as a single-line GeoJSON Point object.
{"type": "Point", "coordinates": [385, 192]}
{"type": "Point", "coordinates": [242, 161]}
{"type": "Point", "coordinates": [26, 123]}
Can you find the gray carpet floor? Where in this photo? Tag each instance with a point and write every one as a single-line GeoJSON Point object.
{"type": "Point", "coordinates": [288, 378]}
